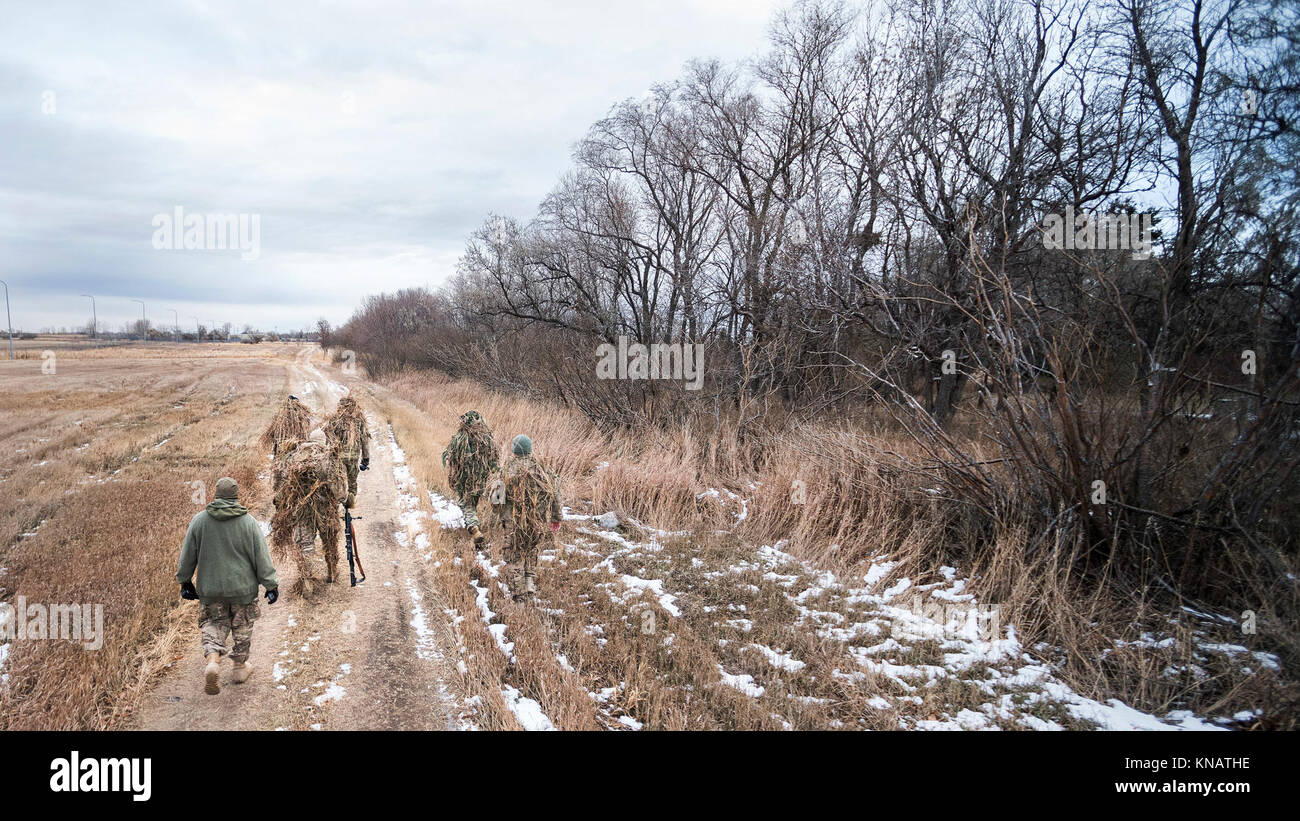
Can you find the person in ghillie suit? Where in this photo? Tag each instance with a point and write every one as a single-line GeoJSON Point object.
{"type": "Point", "coordinates": [532, 512]}
{"type": "Point", "coordinates": [470, 459]}
{"type": "Point", "coordinates": [226, 547]}
{"type": "Point", "coordinates": [310, 483]}
{"type": "Point", "coordinates": [290, 424]}
{"type": "Point", "coordinates": [347, 433]}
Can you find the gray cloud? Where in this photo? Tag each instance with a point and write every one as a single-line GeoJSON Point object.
{"type": "Point", "coordinates": [371, 138]}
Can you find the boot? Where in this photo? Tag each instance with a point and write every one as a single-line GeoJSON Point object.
{"type": "Point", "coordinates": [242, 671]}
{"type": "Point", "coordinates": [212, 675]}
{"type": "Point", "coordinates": [351, 501]}
{"type": "Point", "coordinates": [479, 538]}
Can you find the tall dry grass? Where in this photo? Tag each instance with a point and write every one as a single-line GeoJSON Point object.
{"type": "Point", "coordinates": [581, 652]}
{"type": "Point", "coordinates": [839, 495]}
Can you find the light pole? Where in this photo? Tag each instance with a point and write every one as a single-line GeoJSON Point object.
{"type": "Point", "coordinates": [214, 329]}
{"type": "Point", "coordinates": [94, 319]}
{"type": "Point", "coordinates": [198, 336]}
{"type": "Point", "coordinates": [10, 318]}
{"type": "Point", "coordinates": [176, 326]}
{"type": "Point", "coordinates": [144, 322]}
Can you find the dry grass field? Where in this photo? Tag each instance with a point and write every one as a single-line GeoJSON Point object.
{"type": "Point", "coordinates": [712, 601]}
{"type": "Point", "coordinates": [96, 497]}
{"type": "Point", "coordinates": [677, 595]}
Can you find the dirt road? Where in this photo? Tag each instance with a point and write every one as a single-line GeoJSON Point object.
{"type": "Point", "coordinates": [369, 657]}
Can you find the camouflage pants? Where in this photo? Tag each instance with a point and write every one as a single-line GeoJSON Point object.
{"type": "Point", "coordinates": [219, 621]}
{"type": "Point", "coordinates": [354, 469]}
{"type": "Point", "coordinates": [521, 557]}
{"type": "Point", "coordinates": [468, 504]}
{"type": "Point", "coordinates": [305, 537]}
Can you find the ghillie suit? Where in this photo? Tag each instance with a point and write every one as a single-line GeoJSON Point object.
{"type": "Point", "coordinates": [531, 508]}
{"type": "Point", "coordinates": [347, 433]}
{"type": "Point", "coordinates": [470, 459]}
{"type": "Point", "coordinates": [291, 423]}
{"type": "Point", "coordinates": [309, 482]}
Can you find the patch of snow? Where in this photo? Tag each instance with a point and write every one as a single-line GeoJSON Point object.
{"type": "Point", "coordinates": [526, 710]}
{"type": "Point", "coordinates": [426, 646]}
{"type": "Point", "coordinates": [608, 520]}
{"type": "Point", "coordinates": [781, 661]}
{"type": "Point", "coordinates": [629, 722]}
{"type": "Point", "coordinates": [744, 683]}
{"type": "Point", "coordinates": [334, 692]}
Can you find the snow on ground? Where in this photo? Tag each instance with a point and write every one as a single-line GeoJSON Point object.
{"type": "Point", "coordinates": [634, 585]}
{"type": "Point", "coordinates": [333, 389]}
{"type": "Point", "coordinates": [426, 645]}
{"type": "Point", "coordinates": [911, 637]}
{"type": "Point", "coordinates": [743, 683]}
{"type": "Point", "coordinates": [447, 512]}
{"type": "Point", "coordinates": [905, 646]}
{"type": "Point", "coordinates": [334, 692]}
{"type": "Point", "coordinates": [411, 516]}
{"type": "Point", "coordinates": [968, 644]}
{"type": "Point", "coordinates": [528, 711]}
{"type": "Point", "coordinates": [781, 661]}
{"type": "Point", "coordinates": [735, 498]}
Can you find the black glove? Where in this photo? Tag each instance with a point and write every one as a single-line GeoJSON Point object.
{"type": "Point", "coordinates": [272, 596]}
{"type": "Point", "coordinates": [365, 464]}
{"type": "Point", "coordinates": [188, 592]}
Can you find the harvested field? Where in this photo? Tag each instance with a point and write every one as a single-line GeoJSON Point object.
{"type": "Point", "coordinates": [114, 453]}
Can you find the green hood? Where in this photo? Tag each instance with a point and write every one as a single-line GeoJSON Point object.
{"type": "Point", "coordinates": [226, 509]}
{"type": "Point", "coordinates": [225, 547]}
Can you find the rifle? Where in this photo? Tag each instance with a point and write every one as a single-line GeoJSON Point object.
{"type": "Point", "coordinates": [354, 550]}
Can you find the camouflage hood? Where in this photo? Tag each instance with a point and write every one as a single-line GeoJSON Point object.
{"type": "Point", "coordinates": [346, 430]}
{"type": "Point", "coordinates": [472, 455]}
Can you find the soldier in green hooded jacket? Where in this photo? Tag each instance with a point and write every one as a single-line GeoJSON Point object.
{"type": "Point", "coordinates": [225, 548]}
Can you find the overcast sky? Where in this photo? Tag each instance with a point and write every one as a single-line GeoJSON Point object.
{"type": "Point", "coordinates": [370, 138]}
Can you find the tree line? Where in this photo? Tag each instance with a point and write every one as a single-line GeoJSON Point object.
{"type": "Point", "coordinates": [853, 224]}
